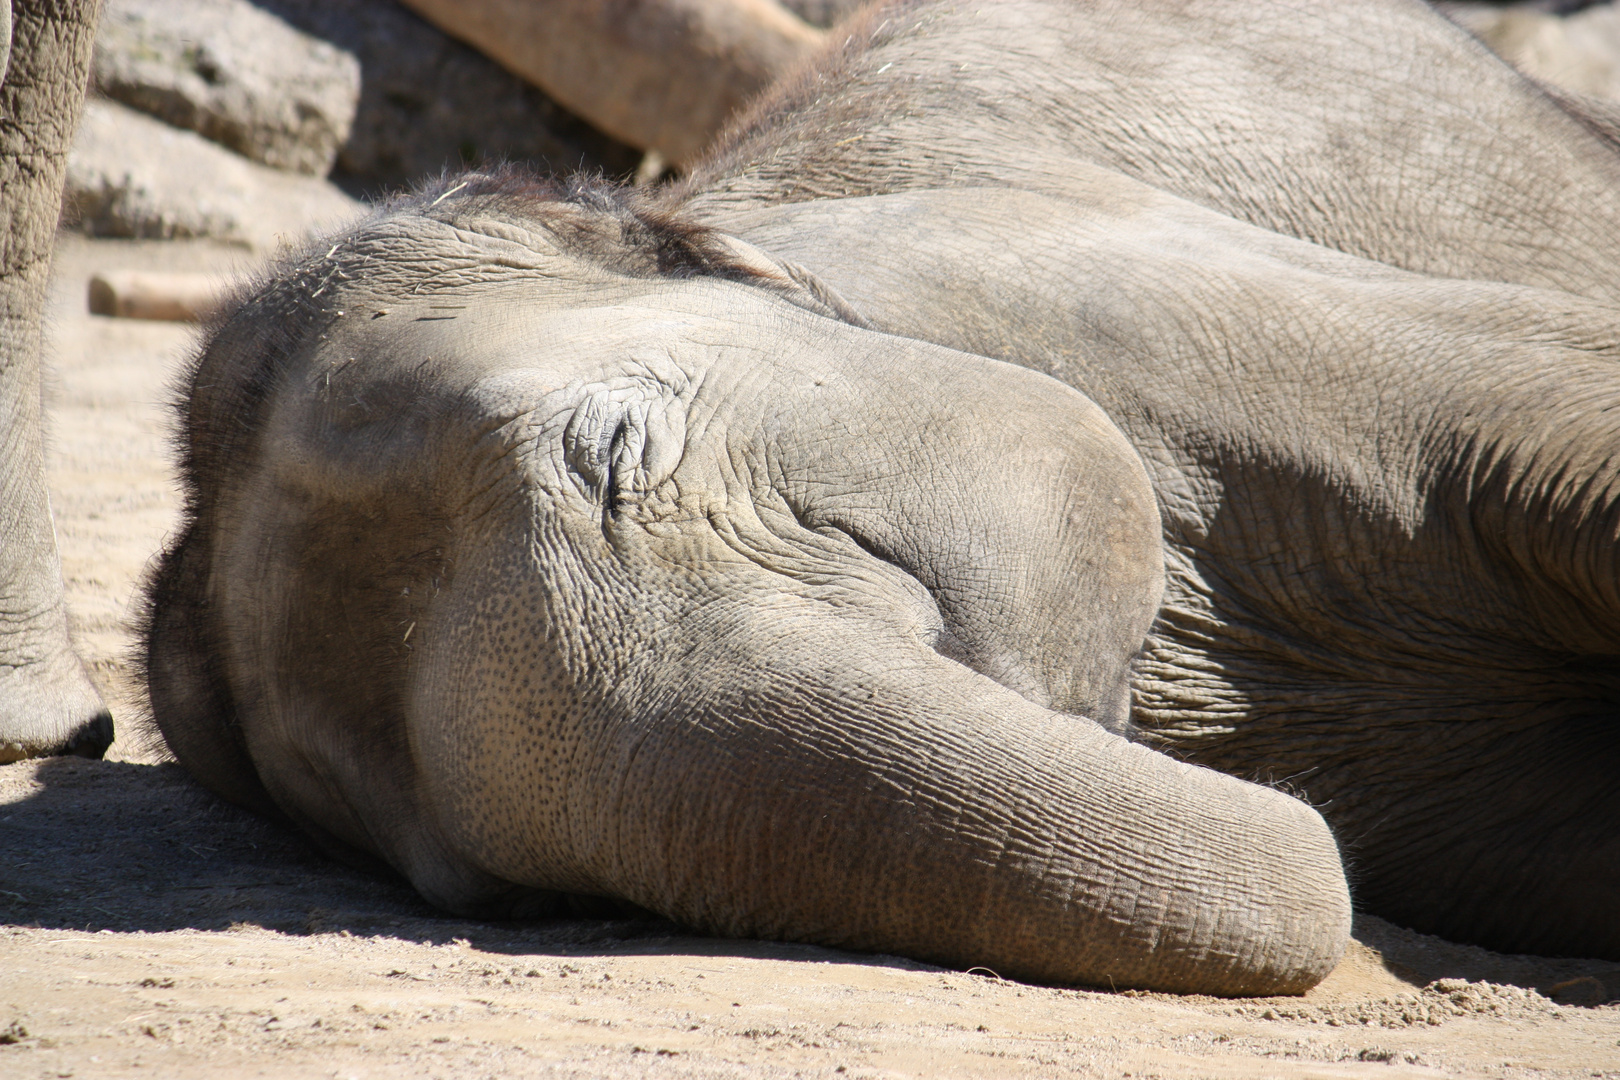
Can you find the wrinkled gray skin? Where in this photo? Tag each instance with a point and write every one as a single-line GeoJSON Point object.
{"type": "Point", "coordinates": [47, 704]}
{"type": "Point", "coordinates": [792, 578]}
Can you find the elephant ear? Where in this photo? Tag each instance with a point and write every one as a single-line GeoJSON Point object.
{"type": "Point", "coordinates": [192, 706]}
{"type": "Point", "coordinates": [795, 283]}
{"type": "Point", "coordinates": [1599, 116]}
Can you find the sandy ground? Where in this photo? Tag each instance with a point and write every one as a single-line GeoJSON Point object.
{"type": "Point", "coordinates": [147, 929]}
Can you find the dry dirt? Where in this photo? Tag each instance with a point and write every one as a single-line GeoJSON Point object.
{"type": "Point", "coordinates": [149, 930]}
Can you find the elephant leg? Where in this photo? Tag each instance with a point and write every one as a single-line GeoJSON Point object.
{"type": "Point", "coordinates": [47, 704]}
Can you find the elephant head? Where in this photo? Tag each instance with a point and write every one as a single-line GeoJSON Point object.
{"type": "Point", "coordinates": [541, 545]}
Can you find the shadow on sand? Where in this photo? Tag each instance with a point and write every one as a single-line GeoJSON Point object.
{"type": "Point", "coordinates": [93, 845]}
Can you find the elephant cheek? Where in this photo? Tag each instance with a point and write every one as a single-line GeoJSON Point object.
{"type": "Point", "coordinates": [494, 706]}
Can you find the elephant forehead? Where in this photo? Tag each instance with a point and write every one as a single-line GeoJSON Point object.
{"type": "Point", "coordinates": [507, 334]}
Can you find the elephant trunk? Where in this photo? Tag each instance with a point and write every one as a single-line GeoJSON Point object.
{"type": "Point", "coordinates": [863, 792]}
{"type": "Point", "coordinates": [971, 827]}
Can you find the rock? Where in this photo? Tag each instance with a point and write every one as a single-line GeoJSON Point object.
{"type": "Point", "coordinates": [151, 294]}
{"type": "Point", "coordinates": [1584, 990]}
{"type": "Point", "coordinates": [666, 76]}
{"type": "Point", "coordinates": [233, 73]}
{"type": "Point", "coordinates": [1577, 53]}
{"type": "Point", "coordinates": [130, 175]}
{"type": "Point", "coordinates": [428, 102]}
{"type": "Point", "coordinates": [824, 13]}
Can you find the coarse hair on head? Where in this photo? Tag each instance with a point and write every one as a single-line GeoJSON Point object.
{"type": "Point", "coordinates": [625, 229]}
{"type": "Point", "coordinates": [612, 227]}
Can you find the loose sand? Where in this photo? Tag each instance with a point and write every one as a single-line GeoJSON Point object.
{"type": "Point", "coordinates": [148, 929]}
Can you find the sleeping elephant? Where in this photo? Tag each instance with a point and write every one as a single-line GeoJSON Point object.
{"type": "Point", "coordinates": [947, 522]}
{"type": "Point", "coordinates": [47, 703]}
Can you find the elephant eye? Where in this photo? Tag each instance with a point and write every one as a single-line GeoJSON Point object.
{"type": "Point", "coordinates": [619, 441]}
{"type": "Point", "coordinates": [609, 453]}
{"type": "Point", "coordinates": [596, 426]}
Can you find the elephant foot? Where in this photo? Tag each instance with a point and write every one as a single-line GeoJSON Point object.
{"type": "Point", "coordinates": [50, 708]}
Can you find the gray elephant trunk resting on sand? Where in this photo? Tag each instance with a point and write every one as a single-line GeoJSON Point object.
{"type": "Point", "coordinates": [778, 552]}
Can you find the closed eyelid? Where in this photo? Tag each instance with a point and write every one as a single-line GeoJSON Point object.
{"type": "Point", "coordinates": [620, 442]}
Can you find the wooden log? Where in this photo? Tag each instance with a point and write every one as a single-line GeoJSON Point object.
{"type": "Point", "coordinates": [142, 294]}
{"type": "Point", "coordinates": [662, 75]}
